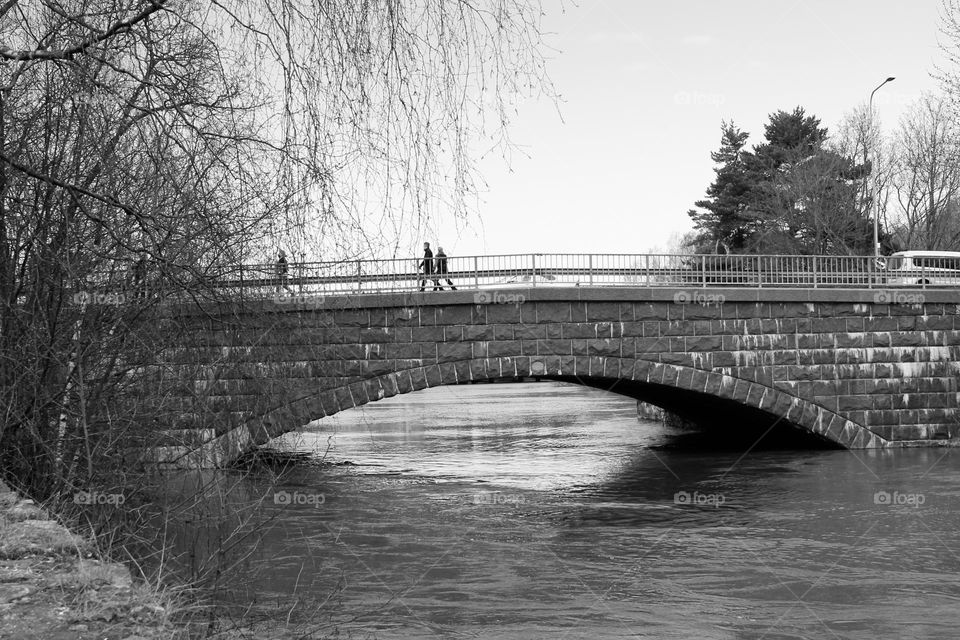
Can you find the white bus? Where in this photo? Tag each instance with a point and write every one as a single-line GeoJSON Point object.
{"type": "Point", "coordinates": [910, 268]}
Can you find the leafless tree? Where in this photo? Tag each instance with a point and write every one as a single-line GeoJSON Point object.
{"type": "Point", "coordinates": [926, 175]}
{"type": "Point", "coordinates": [948, 71]}
{"type": "Point", "coordinates": [859, 137]}
{"type": "Point", "coordinates": [148, 144]}
{"type": "Point", "coordinates": [201, 134]}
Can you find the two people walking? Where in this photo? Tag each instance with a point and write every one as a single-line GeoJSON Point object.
{"type": "Point", "coordinates": [434, 268]}
{"type": "Point", "coordinates": [431, 268]}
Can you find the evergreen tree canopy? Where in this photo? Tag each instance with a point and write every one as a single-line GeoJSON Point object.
{"type": "Point", "coordinates": [721, 222]}
{"type": "Point", "coordinates": [793, 131]}
{"type": "Point", "coordinates": [790, 194]}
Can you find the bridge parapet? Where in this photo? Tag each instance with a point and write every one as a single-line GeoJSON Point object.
{"type": "Point", "coordinates": [535, 270]}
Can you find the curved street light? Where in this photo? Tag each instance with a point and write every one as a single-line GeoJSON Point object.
{"type": "Point", "coordinates": [875, 195]}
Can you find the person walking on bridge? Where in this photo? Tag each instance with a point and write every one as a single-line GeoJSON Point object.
{"type": "Point", "coordinates": [282, 272]}
{"type": "Point", "coordinates": [442, 270]}
{"type": "Point", "coordinates": [426, 265]}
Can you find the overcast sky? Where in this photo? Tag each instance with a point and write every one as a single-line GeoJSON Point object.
{"type": "Point", "coordinates": [645, 86]}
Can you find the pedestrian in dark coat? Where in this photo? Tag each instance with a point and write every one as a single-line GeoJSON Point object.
{"type": "Point", "coordinates": [426, 267]}
{"type": "Point", "coordinates": [281, 269]}
{"type": "Point", "coordinates": [442, 272]}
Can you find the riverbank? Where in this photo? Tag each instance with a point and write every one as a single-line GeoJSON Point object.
{"type": "Point", "coordinates": [52, 587]}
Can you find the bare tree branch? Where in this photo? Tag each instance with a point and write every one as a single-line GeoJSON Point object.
{"type": "Point", "coordinates": [121, 26]}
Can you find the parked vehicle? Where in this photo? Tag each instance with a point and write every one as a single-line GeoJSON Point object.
{"type": "Point", "coordinates": [909, 268]}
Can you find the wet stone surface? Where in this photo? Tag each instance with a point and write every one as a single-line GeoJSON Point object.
{"type": "Point", "coordinates": [52, 589]}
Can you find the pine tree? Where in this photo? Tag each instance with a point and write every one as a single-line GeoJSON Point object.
{"type": "Point", "coordinates": [791, 194]}
{"type": "Point", "coordinates": [803, 197]}
{"type": "Point", "coordinates": [720, 222]}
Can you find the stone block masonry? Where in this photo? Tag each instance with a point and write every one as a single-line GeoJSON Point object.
{"type": "Point", "coordinates": [834, 362]}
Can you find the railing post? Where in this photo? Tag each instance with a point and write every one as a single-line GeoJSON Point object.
{"type": "Point", "coordinates": [646, 268]}
{"type": "Point", "coordinates": [590, 266]}
{"type": "Point", "coordinates": [816, 276]}
{"type": "Point", "coordinates": [703, 266]}
{"type": "Point", "coordinates": [242, 287]}
{"type": "Point", "coordinates": [759, 272]}
{"type": "Point", "coordinates": [476, 273]}
{"type": "Point", "coordinates": [533, 270]}
{"type": "Point", "coordinates": [359, 275]}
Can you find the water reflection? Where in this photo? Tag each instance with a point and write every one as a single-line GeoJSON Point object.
{"type": "Point", "coordinates": [529, 511]}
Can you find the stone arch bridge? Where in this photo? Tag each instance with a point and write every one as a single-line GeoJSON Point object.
{"type": "Point", "coordinates": [836, 365]}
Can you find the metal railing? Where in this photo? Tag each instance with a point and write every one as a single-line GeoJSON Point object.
{"type": "Point", "coordinates": [574, 270]}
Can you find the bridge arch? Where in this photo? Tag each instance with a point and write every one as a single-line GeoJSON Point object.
{"type": "Point", "coordinates": [796, 411]}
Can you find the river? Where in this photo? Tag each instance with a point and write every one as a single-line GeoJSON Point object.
{"type": "Point", "coordinates": [545, 510]}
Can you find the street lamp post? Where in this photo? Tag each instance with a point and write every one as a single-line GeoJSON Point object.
{"type": "Point", "coordinates": [875, 195]}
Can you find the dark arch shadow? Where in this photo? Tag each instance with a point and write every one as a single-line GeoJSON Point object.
{"type": "Point", "coordinates": [641, 376]}
{"type": "Point", "coordinates": [715, 423]}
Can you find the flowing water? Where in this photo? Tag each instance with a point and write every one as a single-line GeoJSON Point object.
{"type": "Point", "coordinates": [545, 510]}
